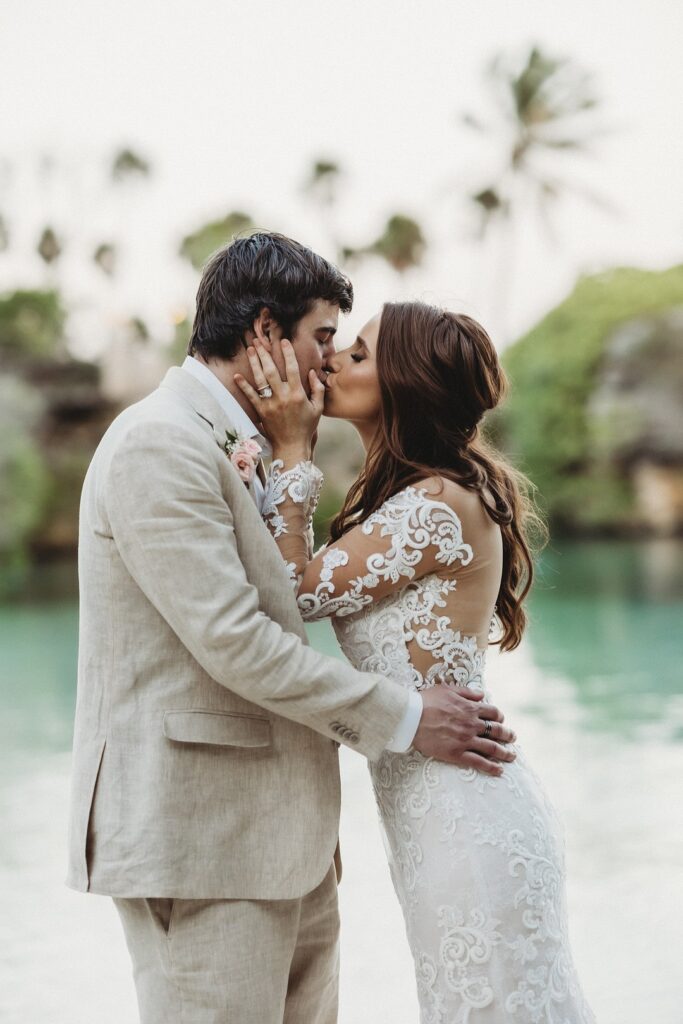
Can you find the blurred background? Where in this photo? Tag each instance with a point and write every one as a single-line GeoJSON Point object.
{"type": "Point", "coordinates": [518, 162]}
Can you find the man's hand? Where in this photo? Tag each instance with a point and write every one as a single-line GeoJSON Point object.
{"type": "Point", "coordinates": [451, 729]}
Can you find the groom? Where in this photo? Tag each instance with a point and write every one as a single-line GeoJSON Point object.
{"type": "Point", "coordinates": [205, 778]}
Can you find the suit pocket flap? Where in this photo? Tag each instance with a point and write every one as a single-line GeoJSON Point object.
{"type": "Point", "coordinates": [222, 728]}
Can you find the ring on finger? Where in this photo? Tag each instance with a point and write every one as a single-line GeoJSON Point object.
{"type": "Point", "coordinates": [265, 392]}
{"type": "Point", "coordinates": [488, 729]}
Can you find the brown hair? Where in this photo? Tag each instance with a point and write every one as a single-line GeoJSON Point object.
{"type": "Point", "coordinates": [263, 270]}
{"type": "Point", "coordinates": [439, 373]}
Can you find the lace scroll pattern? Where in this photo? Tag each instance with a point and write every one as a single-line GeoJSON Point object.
{"type": "Point", "coordinates": [289, 504]}
{"type": "Point", "coordinates": [477, 862]}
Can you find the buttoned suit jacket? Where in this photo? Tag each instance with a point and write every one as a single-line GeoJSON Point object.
{"type": "Point", "coordinates": [205, 747]}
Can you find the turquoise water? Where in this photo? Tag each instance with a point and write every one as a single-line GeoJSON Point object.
{"type": "Point", "coordinates": [607, 618]}
{"type": "Point", "coordinates": [596, 696]}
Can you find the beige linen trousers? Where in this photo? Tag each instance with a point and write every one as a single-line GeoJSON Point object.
{"type": "Point", "coordinates": [205, 755]}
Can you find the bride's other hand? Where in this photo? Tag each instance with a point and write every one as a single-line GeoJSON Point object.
{"type": "Point", "coordinates": [452, 727]}
{"type": "Point", "coordinates": [289, 418]}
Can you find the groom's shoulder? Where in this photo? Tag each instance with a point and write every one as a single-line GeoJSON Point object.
{"type": "Point", "coordinates": [159, 420]}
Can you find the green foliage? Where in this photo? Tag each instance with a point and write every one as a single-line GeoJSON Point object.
{"type": "Point", "coordinates": [104, 257]}
{"type": "Point", "coordinates": [49, 246]}
{"type": "Point", "coordinates": [129, 164]}
{"type": "Point", "coordinates": [182, 329]}
{"type": "Point", "coordinates": [24, 478]}
{"type": "Point", "coordinates": [544, 88]}
{"type": "Point", "coordinates": [31, 323]}
{"type": "Point", "coordinates": [545, 423]}
{"type": "Point", "coordinates": [324, 169]}
{"type": "Point", "coordinates": [323, 180]}
{"type": "Point", "coordinates": [138, 329]}
{"type": "Point", "coordinates": [67, 466]}
{"type": "Point", "coordinates": [198, 246]}
{"type": "Point", "coordinates": [541, 104]}
{"type": "Point", "coordinates": [331, 500]}
{"type": "Point", "coordinates": [401, 244]}
{"type": "Point", "coordinates": [490, 201]}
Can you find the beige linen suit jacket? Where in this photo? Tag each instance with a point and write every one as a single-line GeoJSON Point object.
{"type": "Point", "coordinates": [205, 755]}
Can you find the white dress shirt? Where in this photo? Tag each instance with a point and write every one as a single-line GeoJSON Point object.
{"type": "Point", "coordinates": [234, 411]}
{"type": "Point", "coordinates": [407, 727]}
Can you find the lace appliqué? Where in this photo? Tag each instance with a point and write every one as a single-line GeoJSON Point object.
{"type": "Point", "coordinates": [294, 576]}
{"type": "Point", "coordinates": [414, 522]}
{"type": "Point", "coordinates": [476, 861]}
{"type": "Point", "coordinates": [457, 659]}
{"type": "Point", "coordinates": [301, 483]}
{"type": "Point", "coordinates": [466, 946]}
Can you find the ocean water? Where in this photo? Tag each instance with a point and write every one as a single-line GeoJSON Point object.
{"type": "Point", "coordinates": [595, 694]}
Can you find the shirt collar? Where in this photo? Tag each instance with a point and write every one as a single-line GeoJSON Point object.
{"type": "Point", "coordinates": [228, 403]}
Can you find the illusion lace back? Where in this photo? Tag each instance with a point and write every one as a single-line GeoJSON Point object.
{"type": "Point", "coordinates": [477, 862]}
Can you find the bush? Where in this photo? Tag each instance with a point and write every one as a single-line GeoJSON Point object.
{"type": "Point", "coordinates": [545, 424]}
{"type": "Point", "coordinates": [24, 478]}
{"type": "Point", "coordinates": [31, 324]}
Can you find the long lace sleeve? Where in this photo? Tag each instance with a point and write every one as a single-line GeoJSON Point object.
{"type": "Point", "coordinates": [291, 498]}
{"type": "Point", "coordinates": [410, 536]}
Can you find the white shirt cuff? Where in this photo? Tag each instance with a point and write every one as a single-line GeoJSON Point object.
{"type": "Point", "coordinates": [407, 727]}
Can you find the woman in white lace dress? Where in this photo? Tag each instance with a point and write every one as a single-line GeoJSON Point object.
{"type": "Point", "coordinates": [428, 551]}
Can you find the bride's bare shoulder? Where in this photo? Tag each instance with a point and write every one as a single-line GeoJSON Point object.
{"type": "Point", "coordinates": [441, 488]}
{"type": "Point", "coordinates": [466, 503]}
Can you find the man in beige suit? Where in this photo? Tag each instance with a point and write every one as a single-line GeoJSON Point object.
{"type": "Point", "coordinates": [205, 778]}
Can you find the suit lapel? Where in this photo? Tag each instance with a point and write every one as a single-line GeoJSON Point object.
{"type": "Point", "coordinates": [206, 406]}
{"type": "Point", "coordinates": [266, 565]}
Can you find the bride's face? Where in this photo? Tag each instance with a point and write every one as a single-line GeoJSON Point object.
{"type": "Point", "coordinates": [352, 391]}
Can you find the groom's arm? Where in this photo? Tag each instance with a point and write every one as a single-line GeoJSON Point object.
{"type": "Point", "coordinates": [176, 536]}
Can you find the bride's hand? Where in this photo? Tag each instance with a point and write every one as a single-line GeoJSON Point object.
{"type": "Point", "coordinates": [289, 418]}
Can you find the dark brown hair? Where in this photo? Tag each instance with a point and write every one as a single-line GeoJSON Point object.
{"type": "Point", "coordinates": [438, 374]}
{"type": "Point", "coordinates": [264, 270]}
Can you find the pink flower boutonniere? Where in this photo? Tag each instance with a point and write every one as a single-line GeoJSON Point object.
{"type": "Point", "coordinates": [243, 452]}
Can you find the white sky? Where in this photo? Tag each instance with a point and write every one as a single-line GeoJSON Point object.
{"type": "Point", "coordinates": [231, 101]}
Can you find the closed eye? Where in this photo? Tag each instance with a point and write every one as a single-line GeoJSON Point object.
{"type": "Point", "coordinates": [357, 359]}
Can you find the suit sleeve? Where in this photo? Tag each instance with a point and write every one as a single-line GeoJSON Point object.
{"type": "Point", "coordinates": [175, 533]}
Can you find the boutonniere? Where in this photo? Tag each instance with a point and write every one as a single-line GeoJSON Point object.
{"type": "Point", "coordinates": [243, 452]}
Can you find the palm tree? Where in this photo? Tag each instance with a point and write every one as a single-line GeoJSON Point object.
{"type": "Point", "coordinates": [138, 330]}
{"type": "Point", "coordinates": [321, 187]}
{"type": "Point", "coordinates": [104, 257]}
{"type": "Point", "coordinates": [323, 181]}
{"type": "Point", "coordinates": [401, 244]}
{"type": "Point", "coordinates": [198, 246]}
{"type": "Point", "coordinates": [129, 164]}
{"type": "Point", "coordinates": [542, 109]}
{"type": "Point", "coordinates": [49, 248]}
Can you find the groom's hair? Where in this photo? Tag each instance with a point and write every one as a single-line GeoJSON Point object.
{"type": "Point", "coordinates": [263, 270]}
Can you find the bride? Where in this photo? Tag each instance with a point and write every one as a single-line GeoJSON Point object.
{"type": "Point", "coordinates": [426, 559]}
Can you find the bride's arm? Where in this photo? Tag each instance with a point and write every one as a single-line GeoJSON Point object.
{"type": "Point", "coordinates": [411, 535]}
{"type": "Point", "coordinates": [289, 417]}
{"type": "Point", "coordinates": [291, 497]}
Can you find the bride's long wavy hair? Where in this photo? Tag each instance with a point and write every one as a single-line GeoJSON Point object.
{"type": "Point", "coordinates": [439, 373]}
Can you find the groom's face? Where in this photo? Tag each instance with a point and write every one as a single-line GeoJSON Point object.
{"type": "Point", "coordinates": [313, 340]}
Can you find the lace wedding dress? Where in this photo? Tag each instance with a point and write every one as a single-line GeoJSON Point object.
{"type": "Point", "coordinates": [477, 862]}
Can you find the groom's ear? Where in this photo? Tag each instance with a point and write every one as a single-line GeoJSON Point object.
{"type": "Point", "coordinates": [265, 328]}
